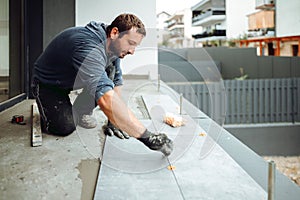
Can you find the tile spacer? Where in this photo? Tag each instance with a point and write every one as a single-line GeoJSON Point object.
{"type": "Point", "coordinates": [202, 134]}
{"type": "Point", "coordinates": [171, 167]}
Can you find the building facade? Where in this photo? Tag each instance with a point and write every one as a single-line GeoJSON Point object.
{"type": "Point", "coordinates": [274, 28]}
{"type": "Point", "coordinates": [162, 28]}
{"type": "Point", "coordinates": [180, 30]}
{"type": "Point", "coordinates": [221, 20]}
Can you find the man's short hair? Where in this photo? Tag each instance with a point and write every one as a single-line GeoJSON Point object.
{"type": "Point", "coordinates": [125, 22]}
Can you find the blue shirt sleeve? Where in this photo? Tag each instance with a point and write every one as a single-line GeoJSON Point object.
{"type": "Point", "coordinates": [91, 62]}
{"type": "Point", "coordinates": [118, 80]}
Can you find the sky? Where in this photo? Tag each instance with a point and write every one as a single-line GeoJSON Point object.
{"type": "Point", "coordinates": [171, 6]}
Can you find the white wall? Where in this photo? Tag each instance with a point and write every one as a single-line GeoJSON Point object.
{"type": "Point", "coordinates": [236, 16]}
{"type": "Point", "coordinates": [4, 38]}
{"type": "Point", "coordinates": [144, 61]}
{"type": "Point", "coordinates": [287, 18]}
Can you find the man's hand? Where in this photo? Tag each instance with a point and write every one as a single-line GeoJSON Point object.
{"type": "Point", "coordinates": [158, 142]}
{"type": "Point", "coordinates": [111, 130]}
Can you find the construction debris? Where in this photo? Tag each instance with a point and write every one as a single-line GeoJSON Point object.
{"type": "Point", "coordinates": [173, 120]}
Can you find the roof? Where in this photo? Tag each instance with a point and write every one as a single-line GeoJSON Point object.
{"type": "Point", "coordinates": [163, 12]}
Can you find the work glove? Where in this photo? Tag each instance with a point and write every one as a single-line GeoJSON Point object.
{"type": "Point", "coordinates": [157, 142]}
{"type": "Point", "coordinates": [110, 130]}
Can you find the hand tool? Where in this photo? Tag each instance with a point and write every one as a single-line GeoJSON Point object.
{"type": "Point", "coordinates": [18, 119]}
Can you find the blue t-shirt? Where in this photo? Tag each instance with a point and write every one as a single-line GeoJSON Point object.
{"type": "Point", "coordinates": [77, 58]}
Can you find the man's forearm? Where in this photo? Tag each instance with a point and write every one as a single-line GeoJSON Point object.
{"type": "Point", "coordinates": [117, 89]}
{"type": "Point", "coordinates": [120, 115]}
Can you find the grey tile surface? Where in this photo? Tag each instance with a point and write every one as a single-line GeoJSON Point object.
{"type": "Point", "coordinates": [215, 176]}
{"type": "Point", "coordinates": [129, 170]}
{"type": "Point", "coordinates": [114, 184]}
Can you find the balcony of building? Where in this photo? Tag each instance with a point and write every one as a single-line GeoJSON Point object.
{"type": "Point", "coordinates": [175, 21]}
{"type": "Point", "coordinates": [214, 35]}
{"type": "Point", "coordinates": [176, 33]}
{"type": "Point", "coordinates": [261, 24]}
{"type": "Point", "coordinates": [206, 34]}
{"type": "Point", "coordinates": [208, 12]}
{"type": "Point", "coordinates": [175, 25]}
{"type": "Point", "coordinates": [264, 4]}
{"type": "Point", "coordinates": [208, 17]}
{"type": "Point", "coordinates": [261, 20]}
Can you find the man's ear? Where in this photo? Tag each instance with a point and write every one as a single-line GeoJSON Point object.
{"type": "Point", "coordinates": [114, 33]}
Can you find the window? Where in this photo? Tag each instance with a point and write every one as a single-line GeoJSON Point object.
{"type": "Point", "coordinates": [295, 50]}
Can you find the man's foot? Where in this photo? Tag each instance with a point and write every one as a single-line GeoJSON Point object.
{"type": "Point", "coordinates": [87, 121]}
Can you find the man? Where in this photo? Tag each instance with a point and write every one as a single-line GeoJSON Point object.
{"type": "Point", "coordinates": [89, 58]}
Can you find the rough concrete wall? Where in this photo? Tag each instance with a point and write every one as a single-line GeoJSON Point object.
{"type": "Point", "coordinates": [236, 62]}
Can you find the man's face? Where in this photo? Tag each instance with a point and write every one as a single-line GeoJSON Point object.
{"type": "Point", "coordinates": [121, 46]}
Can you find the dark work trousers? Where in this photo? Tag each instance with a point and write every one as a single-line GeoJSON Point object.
{"type": "Point", "coordinates": [58, 115]}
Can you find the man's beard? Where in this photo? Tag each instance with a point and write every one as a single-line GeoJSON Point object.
{"type": "Point", "coordinates": [115, 50]}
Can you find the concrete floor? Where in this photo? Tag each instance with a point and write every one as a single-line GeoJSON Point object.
{"type": "Point", "coordinates": [62, 168]}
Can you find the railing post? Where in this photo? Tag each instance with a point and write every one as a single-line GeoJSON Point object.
{"type": "Point", "coordinates": [271, 180]}
{"type": "Point", "coordinates": [180, 104]}
{"type": "Point", "coordinates": [158, 82]}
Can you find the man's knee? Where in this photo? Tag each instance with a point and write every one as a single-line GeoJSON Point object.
{"type": "Point", "coordinates": [62, 129]}
{"type": "Point", "coordinates": [66, 131]}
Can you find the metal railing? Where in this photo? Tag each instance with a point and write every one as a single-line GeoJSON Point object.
{"type": "Point", "coordinates": [249, 101]}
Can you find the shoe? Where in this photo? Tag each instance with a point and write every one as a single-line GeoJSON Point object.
{"type": "Point", "coordinates": [87, 121]}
